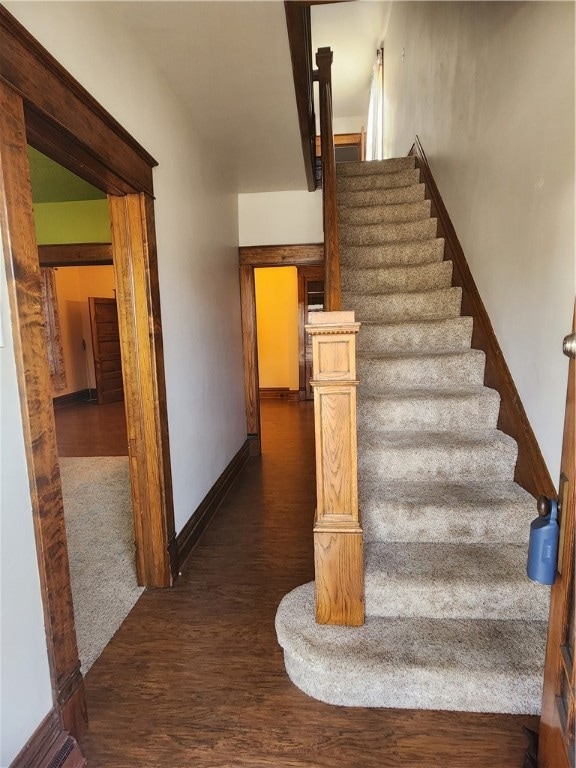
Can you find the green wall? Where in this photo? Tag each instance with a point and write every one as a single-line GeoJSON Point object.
{"type": "Point", "coordinates": [85, 221]}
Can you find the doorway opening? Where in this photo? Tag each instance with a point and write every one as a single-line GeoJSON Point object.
{"type": "Point", "coordinates": [84, 355]}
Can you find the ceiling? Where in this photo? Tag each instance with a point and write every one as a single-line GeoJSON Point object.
{"type": "Point", "coordinates": [228, 62]}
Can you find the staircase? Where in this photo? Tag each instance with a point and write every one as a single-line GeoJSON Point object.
{"type": "Point", "coordinates": [452, 622]}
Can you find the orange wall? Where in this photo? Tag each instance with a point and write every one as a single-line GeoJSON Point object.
{"type": "Point", "coordinates": [73, 287]}
{"type": "Point", "coordinates": [277, 326]}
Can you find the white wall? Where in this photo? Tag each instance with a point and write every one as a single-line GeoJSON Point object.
{"type": "Point", "coordinates": [280, 218]}
{"type": "Point", "coordinates": [489, 89]}
{"type": "Point", "coordinates": [26, 695]}
{"type": "Point", "coordinates": [197, 233]}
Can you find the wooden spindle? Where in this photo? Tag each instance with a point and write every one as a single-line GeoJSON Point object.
{"type": "Point", "coordinates": [338, 550]}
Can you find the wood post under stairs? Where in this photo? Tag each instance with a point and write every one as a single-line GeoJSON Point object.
{"type": "Point", "coordinates": [338, 553]}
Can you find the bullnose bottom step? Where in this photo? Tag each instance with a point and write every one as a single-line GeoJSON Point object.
{"type": "Point", "coordinates": [456, 664]}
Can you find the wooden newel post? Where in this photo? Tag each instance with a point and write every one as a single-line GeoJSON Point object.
{"type": "Point", "coordinates": [338, 554]}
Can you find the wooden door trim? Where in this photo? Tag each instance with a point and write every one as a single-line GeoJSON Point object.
{"type": "Point", "coordinates": [42, 104]}
{"type": "Point", "coordinates": [75, 255]}
{"type": "Point", "coordinates": [249, 257]}
{"type": "Point", "coordinates": [281, 255]}
{"type": "Point", "coordinates": [23, 282]}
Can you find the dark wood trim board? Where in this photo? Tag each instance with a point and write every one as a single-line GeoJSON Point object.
{"type": "Point", "coordinates": [39, 744]}
{"type": "Point", "coordinates": [61, 401]}
{"type": "Point", "coordinates": [75, 255]}
{"type": "Point", "coordinates": [281, 255]}
{"type": "Point", "coordinates": [531, 471]}
{"type": "Point", "coordinates": [279, 393]}
{"type": "Point", "coordinates": [190, 534]}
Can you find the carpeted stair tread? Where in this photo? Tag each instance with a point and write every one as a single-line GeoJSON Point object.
{"type": "Point", "coordinates": [397, 279]}
{"type": "Point", "coordinates": [428, 409]}
{"type": "Point", "coordinates": [376, 181]}
{"type": "Point", "coordinates": [385, 214]}
{"type": "Point", "coordinates": [413, 663]}
{"type": "Point", "coordinates": [476, 454]}
{"type": "Point", "coordinates": [377, 234]}
{"type": "Point", "coordinates": [470, 512]}
{"type": "Point", "coordinates": [448, 335]}
{"type": "Point", "coordinates": [416, 371]}
{"type": "Point", "coordinates": [415, 252]}
{"type": "Point", "coordinates": [363, 168]}
{"type": "Point", "coordinates": [438, 303]}
{"type": "Point", "coordinates": [391, 196]}
{"type": "Point", "coordinates": [451, 581]}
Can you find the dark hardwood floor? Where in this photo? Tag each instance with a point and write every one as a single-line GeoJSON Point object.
{"type": "Point", "coordinates": [89, 429]}
{"type": "Point", "coordinates": [195, 678]}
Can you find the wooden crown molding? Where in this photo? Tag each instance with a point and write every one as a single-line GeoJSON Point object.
{"type": "Point", "coordinates": [531, 471]}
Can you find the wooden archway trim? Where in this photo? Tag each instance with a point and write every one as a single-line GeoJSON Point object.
{"type": "Point", "coordinates": [40, 103]}
{"type": "Point", "coordinates": [64, 121]}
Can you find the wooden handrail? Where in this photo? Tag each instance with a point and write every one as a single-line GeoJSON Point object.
{"type": "Point", "coordinates": [333, 291]}
{"type": "Point", "coordinates": [300, 39]}
{"type": "Point", "coordinates": [338, 546]}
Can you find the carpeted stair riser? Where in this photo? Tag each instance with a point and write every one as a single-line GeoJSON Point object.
{"type": "Point", "coordinates": [392, 196]}
{"type": "Point", "coordinates": [416, 305]}
{"type": "Point", "coordinates": [392, 254]}
{"type": "Point", "coordinates": [449, 335]}
{"type": "Point", "coordinates": [472, 512]}
{"type": "Point", "coordinates": [393, 165]}
{"type": "Point", "coordinates": [445, 370]}
{"type": "Point", "coordinates": [449, 456]}
{"type": "Point", "coordinates": [459, 664]}
{"type": "Point", "coordinates": [384, 214]}
{"type": "Point", "coordinates": [421, 277]}
{"type": "Point", "coordinates": [415, 410]}
{"type": "Point", "coordinates": [451, 581]}
{"type": "Point", "coordinates": [374, 181]}
{"type": "Point", "coordinates": [377, 234]}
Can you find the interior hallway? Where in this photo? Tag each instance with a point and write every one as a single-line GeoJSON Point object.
{"type": "Point", "coordinates": [195, 676]}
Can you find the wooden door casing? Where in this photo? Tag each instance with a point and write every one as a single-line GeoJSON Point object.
{"type": "Point", "coordinates": [556, 742]}
{"type": "Point", "coordinates": [106, 349]}
{"type": "Point", "coordinates": [41, 104]}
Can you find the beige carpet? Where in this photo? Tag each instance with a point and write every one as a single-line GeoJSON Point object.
{"type": "Point", "coordinates": [98, 513]}
{"type": "Point", "coordinates": [452, 620]}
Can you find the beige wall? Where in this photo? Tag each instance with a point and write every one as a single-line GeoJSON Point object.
{"type": "Point", "coordinates": [277, 322]}
{"type": "Point", "coordinates": [278, 218]}
{"type": "Point", "coordinates": [489, 89]}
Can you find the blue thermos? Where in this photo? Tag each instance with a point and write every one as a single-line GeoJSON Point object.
{"type": "Point", "coordinates": [543, 545]}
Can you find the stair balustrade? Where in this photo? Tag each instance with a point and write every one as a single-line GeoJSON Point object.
{"type": "Point", "coordinates": [338, 543]}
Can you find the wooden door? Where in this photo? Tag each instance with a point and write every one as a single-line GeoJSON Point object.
{"type": "Point", "coordinates": [310, 299]}
{"type": "Point", "coordinates": [106, 348]}
{"type": "Point", "coordinates": [556, 743]}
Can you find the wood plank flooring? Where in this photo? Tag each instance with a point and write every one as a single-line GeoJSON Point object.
{"type": "Point", "coordinates": [195, 678]}
{"type": "Point", "coordinates": [89, 429]}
